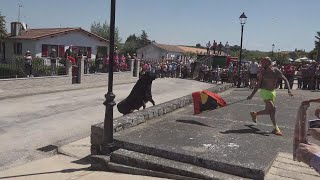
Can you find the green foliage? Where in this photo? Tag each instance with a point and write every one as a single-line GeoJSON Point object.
{"type": "Point", "coordinates": [317, 45]}
{"type": "Point", "coordinates": [312, 54]}
{"type": "Point", "coordinates": [39, 68]}
{"type": "Point", "coordinates": [61, 70]}
{"type": "Point", "coordinates": [198, 45]}
{"type": "Point", "coordinates": [3, 31]}
{"type": "Point", "coordinates": [103, 30]}
{"type": "Point", "coordinates": [12, 70]}
{"type": "Point", "coordinates": [133, 43]}
{"type": "Point", "coordinates": [130, 47]}
{"type": "Point", "coordinates": [63, 61]}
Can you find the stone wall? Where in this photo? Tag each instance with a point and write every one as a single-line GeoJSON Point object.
{"type": "Point", "coordinates": [98, 80]}
{"type": "Point", "coordinates": [138, 117]}
{"type": "Point", "coordinates": [102, 78]}
{"type": "Point", "coordinates": [24, 83]}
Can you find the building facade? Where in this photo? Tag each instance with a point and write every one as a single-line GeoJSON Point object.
{"type": "Point", "coordinates": [162, 52]}
{"type": "Point", "coordinates": [40, 42]}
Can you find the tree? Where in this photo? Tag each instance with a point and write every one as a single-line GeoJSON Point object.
{"type": "Point", "coordinates": [144, 39]}
{"type": "Point", "coordinates": [133, 43]}
{"type": "Point", "coordinates": [3, 31]}
{"type": "Point", "coordinates": [132, 37]}
{"type": "Point", "coordinates": [313, 54]}
{"type": "Point", "coordinates": [130, 47]}
{"type": "Point", "coordinates": [198, 45]}
{"type": "Point", "coordinates": [103, 30]}
{"type": "Point", "coordinates": [317, 44]}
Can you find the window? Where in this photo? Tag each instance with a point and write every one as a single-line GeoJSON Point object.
{"type": "Point", "coordinates": [46, 49]}
{"type": "Point", "coordinates": [17, 48]}
{"type": "Point", "coordinates": [89, 52]}
{"type": "Point", "coordinates": [61, 51]}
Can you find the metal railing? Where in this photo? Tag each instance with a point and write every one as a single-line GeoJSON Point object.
{"type": "Point", "coordinates": [38, 67]}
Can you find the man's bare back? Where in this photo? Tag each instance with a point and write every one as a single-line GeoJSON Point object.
{"type": "Point", "coordinates": [269, 78]}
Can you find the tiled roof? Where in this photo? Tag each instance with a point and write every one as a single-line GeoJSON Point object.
{"type": "Point", "coordinates": [193, 49]}
{"type": "Point", "coordinates": [47, 32]}
{"type": "Point", "coordinates": [170, 48]}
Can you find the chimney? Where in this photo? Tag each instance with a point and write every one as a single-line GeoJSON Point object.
{"type": "Point", "coordinates": [16, 28]}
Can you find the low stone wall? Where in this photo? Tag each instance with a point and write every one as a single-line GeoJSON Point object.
{"type": "Point", "coordinates": [102, 78]}
{"type": "Point", "coordinates": [23, 83]}
{"type": "Point", "coordinates": [138, 117]}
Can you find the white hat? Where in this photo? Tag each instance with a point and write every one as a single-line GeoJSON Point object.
{"type": "Point", "coordinates": [53, 49]}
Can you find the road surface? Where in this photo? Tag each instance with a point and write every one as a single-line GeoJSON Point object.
{"type": "Point", "coordinates": [32, 122]}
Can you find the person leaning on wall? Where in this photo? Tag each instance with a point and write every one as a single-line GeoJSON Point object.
{"type": "Point", "coordinates": [310, 153]}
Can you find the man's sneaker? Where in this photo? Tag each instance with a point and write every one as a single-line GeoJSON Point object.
{"type": "Point", "coordinates": [254, 116]}
{"type": "Point", "coordinates": [277, 132]}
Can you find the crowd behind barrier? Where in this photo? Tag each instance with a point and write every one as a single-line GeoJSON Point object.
{"type": "Point", "coordinates": [305, 75]}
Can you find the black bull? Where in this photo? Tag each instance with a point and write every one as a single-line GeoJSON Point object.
{"type": "Point", "coordinates": [139, 95]}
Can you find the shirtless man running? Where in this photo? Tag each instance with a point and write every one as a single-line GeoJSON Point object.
{"type": "Point", "coordinates": [267, 83]}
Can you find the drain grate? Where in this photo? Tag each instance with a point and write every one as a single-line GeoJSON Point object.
{"type": "Point", "coordinates": [48, 148]}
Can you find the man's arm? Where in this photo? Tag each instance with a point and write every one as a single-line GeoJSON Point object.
{"type": "Point", "coordinates": [285, 80]}
{"type": "Point", "coordinates": [311, 100]}
{"type": "Point", "coordinates": [256, 87]}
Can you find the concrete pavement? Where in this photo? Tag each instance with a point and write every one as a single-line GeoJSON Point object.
{"type": "Point", "coordinates": [225, 139]}
{"type": "Point", "coordinates": [31, 122]}
{"type": "Point", "coordinates": [62, 167]}
{"type": "Point", "coordinates": [76, 167]}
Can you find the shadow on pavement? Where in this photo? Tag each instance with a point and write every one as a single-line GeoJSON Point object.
{"type": "Point", "coordinates": [83, 161]}
{"type": "Point", "coordinates": [193, 122]}
{"type": "Point", "coordinates": [51, 172]}
{"type": "Point", "coordinates": [251, 129]}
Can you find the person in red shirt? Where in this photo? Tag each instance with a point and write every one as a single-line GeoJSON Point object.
{"type": "Point", "coordinates": [106, 63]}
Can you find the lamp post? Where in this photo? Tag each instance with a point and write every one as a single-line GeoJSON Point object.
{"type": "Point", "coordinates": [243, 19]}
{"type": "Point", "coordinates": [272, 49]}
{"type": "Point", "coordinates": [107, 145]}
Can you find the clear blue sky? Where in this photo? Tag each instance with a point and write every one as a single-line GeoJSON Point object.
{"type": "Point", "coordinates": [289, 24]}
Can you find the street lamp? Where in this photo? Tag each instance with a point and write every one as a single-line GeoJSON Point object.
{"type": "Point", "coordinates": [272, 49]}
{"type": "Point", "coordinates": [243, 19]}
{"type": "Point", "coordinates": [107, 145]}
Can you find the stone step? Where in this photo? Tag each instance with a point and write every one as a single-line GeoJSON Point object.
{"type": "Point", "coordinates": [158, 164]}
{"type": "Point", "coordinates": [144, 172]}
{"type": "Point", "coordinates": [196, 161]}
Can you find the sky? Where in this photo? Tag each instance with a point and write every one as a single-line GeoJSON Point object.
{"type": "Point", "coordinates": [289, 24]}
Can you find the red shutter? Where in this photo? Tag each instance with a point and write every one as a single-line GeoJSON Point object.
{"type": "Point", "coordinates": [44, 50]}
{"type": "Point", "coordinates": [75, 49]}
{"type": "Point", "coordinates": [89, 52]}
{"type": "Point", "coordinates": [61, 51]}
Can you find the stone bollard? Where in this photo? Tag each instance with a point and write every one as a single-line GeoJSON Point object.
{"type": "Point", "coordinates": [80, 69]}
{"type": "Point", "coordinates": [68, 67]}
{"type": "Point", "coordinates": [137, 68]}
{"type": "Point", "coordinates": [131, 65]}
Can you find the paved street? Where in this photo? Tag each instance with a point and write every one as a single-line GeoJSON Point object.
{"type": "Point", "coordinates": [31, 122]}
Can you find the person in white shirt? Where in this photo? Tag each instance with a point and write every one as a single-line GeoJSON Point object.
{"type": "Point", "coordinates": [226, 48]}
{"type": "Point", "coordinates": [253, 70]}
{"type": "Point", "coordinates": [208, 47]}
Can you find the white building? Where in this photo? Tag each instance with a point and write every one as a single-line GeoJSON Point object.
{"type": "Point", "coordinates": [158, 52]}
{"type": "Point", "coordinates": [40, 42]}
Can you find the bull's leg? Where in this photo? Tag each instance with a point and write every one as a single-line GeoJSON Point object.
{"type": "Point", "coordinates": [152, 101]}
{"type": "Point", "coordinates": [144, 105]}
